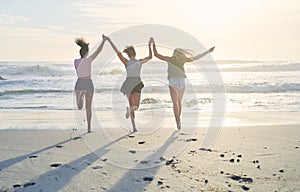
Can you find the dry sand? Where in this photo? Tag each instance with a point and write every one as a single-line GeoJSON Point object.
{"type": "Point", "coordinates": [255, 151]}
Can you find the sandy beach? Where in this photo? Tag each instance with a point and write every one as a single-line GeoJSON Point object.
{"type": "Point", "coordinates": [254, 151]}
{"type": "Point", "coordinates": [225, 73]}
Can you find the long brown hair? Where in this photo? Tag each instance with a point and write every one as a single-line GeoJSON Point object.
{"type": "Point", "coordinates": [81, 42]}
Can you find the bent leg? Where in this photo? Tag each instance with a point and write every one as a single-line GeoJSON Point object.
{"type": "Point", "coordinates": [135, 100]}
{"type": "Point", "coordinates": [79, 98]}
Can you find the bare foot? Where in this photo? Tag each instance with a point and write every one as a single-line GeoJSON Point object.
{"type": "Point", "coordinates": [178, 125]}
{"type": "Point", "coordinates": [134, 130]}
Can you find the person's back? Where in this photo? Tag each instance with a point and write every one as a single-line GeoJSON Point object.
{"type": "Point", "coordinates": [83, 66]}
{"type": "Point", "coordinates": [175, 69]}
{"type": "Point", "coordinates": [84, 87]}
{"type": "Point", "coordinates": [133, 84]}
{"type": "Point", "coordinates": [133, 68]}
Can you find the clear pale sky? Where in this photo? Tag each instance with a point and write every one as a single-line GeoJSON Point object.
{"type": "Point", "coordinates": [44, 30]}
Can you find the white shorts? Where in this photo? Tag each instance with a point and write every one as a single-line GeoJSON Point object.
{"type": "Point", "coordinates": [178, 83]}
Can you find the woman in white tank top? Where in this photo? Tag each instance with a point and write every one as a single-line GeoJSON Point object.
{"type": "Point", "coordinates": [133, 84]}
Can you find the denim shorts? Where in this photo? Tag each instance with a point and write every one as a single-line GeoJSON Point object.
{"type": "Point", "coordinates": [177, 82]}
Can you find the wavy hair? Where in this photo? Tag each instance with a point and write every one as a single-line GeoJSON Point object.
{"type": "Point", "coordinates": [180, 54]}
{"type": "Point", "coordinates": [81, 42]}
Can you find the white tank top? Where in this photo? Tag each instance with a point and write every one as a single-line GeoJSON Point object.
{"type": "Point", "coordinates": [133, 68]}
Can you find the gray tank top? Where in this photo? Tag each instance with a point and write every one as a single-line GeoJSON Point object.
{"type": "Point", "coordinates": [133, 68]}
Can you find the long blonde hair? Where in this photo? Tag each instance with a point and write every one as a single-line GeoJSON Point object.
{"type": "Point", "coordinates": [180, 54]}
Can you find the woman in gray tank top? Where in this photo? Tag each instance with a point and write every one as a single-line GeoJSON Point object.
{"type": "Point", "coordinates": [176, 76]}
{"type": "Point", "coordinates": [133, 84]}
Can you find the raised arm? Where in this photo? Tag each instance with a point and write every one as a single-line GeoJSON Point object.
{"type": "Point", "coordinates": [99, 49]}
{"type": "Point", "coordinates": [191, 59]}
{"type": "Point", "coordinates": [150, 53]}
{"type": "Point", "coordinates": [156, 54]}
{"type": "Point", "coordinates": [121, 57]}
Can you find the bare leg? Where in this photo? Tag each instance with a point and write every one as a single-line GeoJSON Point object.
{"type": "Point", "coordinates": [181, 92]}
{"type": "Point", "coordinates": [176, 96]}
{"type": "Point", "coordinates": [79, 98]}
{"type": "Point", "coordinates": [134, 101]}
{"type": "Point", "coordinates": [127, 112]}
{"type": "Point", "coordinates": [88, 105]}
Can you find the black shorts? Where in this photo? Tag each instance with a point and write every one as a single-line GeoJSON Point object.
{"type": "Point", "coordinates": [85, 84]}
{"type": "Point", "coordinates": [132, 85]}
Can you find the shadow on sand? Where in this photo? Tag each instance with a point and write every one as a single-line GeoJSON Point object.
{"type": "Point", "coordinates": [133, 180]}
{"type": "Point", "coordinates": [10, 162]}
{"type": "Point", "coordinates": [56, 179]}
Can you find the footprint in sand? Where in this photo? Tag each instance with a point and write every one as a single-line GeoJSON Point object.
{"type": "Point", "coordinates": [28, 184]}
{"type": "Point", "coordinates": [144, 162]}
{"type": "Point", "coordinates": [97, 167]}
{"type": "Point", "coordinates": [205, 149]}
{"type": "Point", "coordinates": [16, 185]}
{"type": "Point", "coordinates": [148, 179]}
{"type": "Point", "coordinates": [258, 167]}
{"type": "Point", "coordinates": [245, 188]}
{"type": "Point", "coordinates": [132, 151]}
{"type": "Point", "coordinates": [32, 156]}
{"type": "Point", "coordinates": [172, 161]}
{"type": "Point", "coordinates": [191, 139]}
{"type": "Point", "coordinates": [256, 161]}
{"type": "Point", "coordinates": [55, 165]}
{"type": "Point", "coordinates": [78, 137]}
{"type": "Point", "coordinates": [182, 133]}
{"type": "Point", "coordinates": [241, 179]}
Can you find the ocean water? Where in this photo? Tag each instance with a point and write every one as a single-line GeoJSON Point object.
{"type": "Point", "coordinates": [249, 86]}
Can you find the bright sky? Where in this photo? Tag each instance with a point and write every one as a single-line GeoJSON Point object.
{"type": "Point", "coordinates": [44, 30]}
